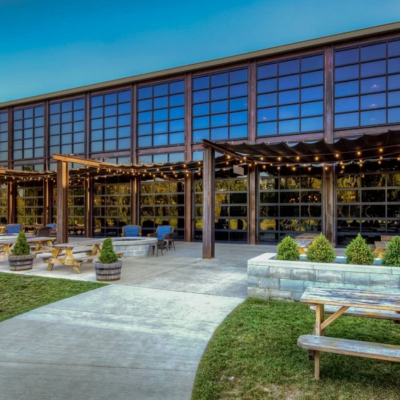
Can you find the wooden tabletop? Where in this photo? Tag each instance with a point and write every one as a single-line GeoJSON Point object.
{"type": "Point", "coordinates": [305, 236]}
{"type": "Point", "coordinates": [71, 245]}
{"type": "Point", "coordinates": [29, 240]}
{"type": "Point", "coordinates": [352, 298]}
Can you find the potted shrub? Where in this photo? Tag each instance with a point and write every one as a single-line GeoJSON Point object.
{"type": "Point", "coordinates": [21, 258]}
{"type": "Point", "coordinates": [358, 252]}
{"type": "Point", "coordinates": [320, 250]}
{"type": "Point", "coordinates": [108, 268]}
{"type": "Point", "coordinates": [287, 250]}
{"type": "Point", "coordinates": [392, 255]}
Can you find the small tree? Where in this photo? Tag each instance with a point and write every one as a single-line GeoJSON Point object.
{"type": "Point", "coordinates": [320, 250]}
{"type": "Point", "coordinates": [288, 250]}
{"type": "Point", "coordinates": [392, 255]}
{"type": "Point", "coordinates": [358, 252]}
{"type": "Point", "coordinates": [107, 254]}
{"type": "Point", "coordinates": [21, 248]}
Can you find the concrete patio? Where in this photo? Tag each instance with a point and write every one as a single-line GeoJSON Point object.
{"type": "Point", "coordinates": [141, 338]}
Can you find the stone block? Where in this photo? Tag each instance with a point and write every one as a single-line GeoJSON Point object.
{"type": "Point", "coordinates": [289, 284]}
{"type": "Point", "coordinates": [384, 280]}
{"type": "Point", "coordinates": [257, 270]}
{"type": "Point", "coordinates": [280, 295]}
{"type": "Point", "coordinates": [258, 293]}
{"type": "Point", "coordinates": [356, 278]}
{"type": "Point", "coordinates": [304, 274]}
{"type": "Point", "coordinates": [269, 283]}
{"type": "Point", "coordinates": [297, 295]}
{"type": "Point", "coordinates": [280, 272]}
{"type": "Point", "coordinates": [330, 276]}
{"type": "Point", "coordinates": [252, 280]}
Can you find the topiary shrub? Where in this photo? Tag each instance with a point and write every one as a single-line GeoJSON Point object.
{"type": "Point", "coordinates": [358, 252]}
{"type": "Point", "coordinates": [320, 250]}
{"type": "Point", "coordinates": [392, 255]}
{"type": "Point", "coordinates": [21, 247]}
{"type": "Point", "coordinates": [287, 250]}
{"type": "Point", "coordinates": [107, 254]}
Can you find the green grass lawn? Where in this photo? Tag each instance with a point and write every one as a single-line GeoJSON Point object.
{"type": "Point", "coordinates": [22, 293]}
{"type": "Point", "coordinates": [254, 355]}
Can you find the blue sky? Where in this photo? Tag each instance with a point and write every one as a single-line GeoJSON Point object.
{"type": "Point", "coordinates": [49, 45]}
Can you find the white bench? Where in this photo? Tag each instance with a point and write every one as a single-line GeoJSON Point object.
{"type": "Point", "coordinates": [348, 347]}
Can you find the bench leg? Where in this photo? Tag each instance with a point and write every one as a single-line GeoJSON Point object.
{"type": "Point", "coordinates": [50, 267]}
{"type": "Point", "coordinates": [317, 356]}
{"type": "Point", "coordinates": [76, 269]}
{"type": "Point", "coordinates": [320, 317]}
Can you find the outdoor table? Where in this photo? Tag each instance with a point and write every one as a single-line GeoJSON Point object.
{"type": "Point", "coordinates": [344, 299]}
{"type": "Point", "coordinates": [39, 243]}
{"type": "Point", "coordinates": [68, 257]}
{"type": "Point", "coordinates": [307, 236]}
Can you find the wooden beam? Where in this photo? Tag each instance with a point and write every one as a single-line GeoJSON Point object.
{"type": "Point", "coordinates": [135, 200]}
{"type": "Point", "coordinates": [46, 201]}
{"type": "Point", "coordinates": [10, 137]}
{"type": "Point", "coordinates": [89, 200]}
{"type": "Point", "coordinates": [189, 205]}
{"type": "Point", "coordinates": [252, 101]}
{"type": "Point", "coordinates": [134, 124]}
{"type": "Point", "coordinates": [188, 117]}
{"type": "Point", "coordinates": [82, 161]}
{"type": "Point", "coordinates": [12, 202]}
{"type": "Point", "coordinates": [62, 201]}
{"type": "Point", "coordinates": [252, 194]}
{"type": "Point", "coordinates": [209, 203]}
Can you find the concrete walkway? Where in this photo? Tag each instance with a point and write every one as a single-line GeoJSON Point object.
{"type": "Point", "coordinates": [142, 338]}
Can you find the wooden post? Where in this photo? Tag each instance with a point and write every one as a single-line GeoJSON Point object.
{"type": "Point", "coordinates": [62, 201]}
{"type": "Point", "coordinates": [189, 203]}
{"type": "Point", "coordinates": [89, 196]}
{"type": "Point", "coordinates": [252, 99]}
{"type": "Point", "coordinates": [329, 201]}
{"type": "Point", "coordinates": [12, 202]}
{"type": "Point", "coordinates": [209, 203]}
{"type": "Point", "coordinates": [252, 201]}
{"type": "Point", "coordinates": [135, 200]}
{"type": "Point", "coordinates": [319, 319]}
{"type": "Point", "coordinates": [46, 202]}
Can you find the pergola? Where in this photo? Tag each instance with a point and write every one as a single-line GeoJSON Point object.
{"type": "Point", "coordinates": [252, 157]}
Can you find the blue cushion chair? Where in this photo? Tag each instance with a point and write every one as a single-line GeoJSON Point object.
{"type": "Point", "coordinates": [13, 229]}
{"type": "Point", "coordinates": [53, 229]}
{"type": "Point", "coordinates": [131, 231]}
{"type": "Point", "coordinates": [164, 235]}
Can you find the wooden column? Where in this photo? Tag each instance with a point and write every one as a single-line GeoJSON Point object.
{"type": "Point", "coordinates": [12, 202]}
{"type": "Point", "coordinates": [133, 124]}
{"type": "Point", "coordinates": [89, 199]}
{"type": "Point", "coordinates": [62, 201]}
{"type": "Point", "coordinates": [252, 133]}
{"type": "Point", "coordinates": [209, 203]}
{"type": "Point", "coordinates": [189, 226]}
{"type": "Point", "coordinates": [46, 202]}
{"type": "Point", "coordinates": [188, 117]}
{"type": "Point", "coordinates": [252, 201]}
{"type": "Point", "coordinates": [329, 200]}
{"type": "Point", "coordinates": [135, 200]}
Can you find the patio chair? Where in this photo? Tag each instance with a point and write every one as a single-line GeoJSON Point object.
{"type": "Point", "coordinates": [164, 235]}
{"type": "Point", "coordinates": [43, 231]}
{"type": "Point", "coordinates": [53, 228]}
{"type": "Point", "coordinates": [131, 231]}
{"type": "Point", "coordinates": [14, 229]}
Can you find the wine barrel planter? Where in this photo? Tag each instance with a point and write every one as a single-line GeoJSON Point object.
{"type": "Point", "coordinates": [108, 272]}
{"type": "Point", "coordinates": [20, 263]}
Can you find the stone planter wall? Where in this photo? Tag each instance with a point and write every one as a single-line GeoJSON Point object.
{"type": "Point", "coordinates": [287, 280]}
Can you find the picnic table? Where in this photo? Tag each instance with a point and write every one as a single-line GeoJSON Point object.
{"type": "Point", "coordinates": [74, 254]}
{"type": "Point", "coordinates": [352, 302]}
{"type": "Point", "coordinates": [38, 242]}
{"type": "Point", "coordinates": [304, 240]}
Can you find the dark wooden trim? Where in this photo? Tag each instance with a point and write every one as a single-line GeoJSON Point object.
{"type": "Point", "coordinates": [209, 203]}
{"type": "Point", "coordinates": [292, 55]}
{"type": "Point", "coordinates": [369, 40]}
{"type": "Point", "coordinates": [252, 102]}
{"type": "Point", "coordinates": [188, 117]}
{"type": "Point", "coordinates": [89, 202]}
{"type": "Point", "coordinates": [46, 136]}
{"type": "Point", "coordinates": [10, 137]}
{"type": "Point", "coordinates": [87, 125]}
{"type": "Point", "coordinates": [135, 200]}
{"type": "Point", "coordinates": [46, 202]}
{"type": "Point", "coordinates": [361, 131]}
{"type": "Point", "coordinates": [189, 207]}
{"type": "Point", "coordinates": [252, 218]}
{"type": "Point", "coordinates": [223, 68]}
{"type": "Point", "coordinates": [134, 124]}
{"type": "Point", "coordinates": [300, 137]}
{"type": "Point", "coordinates": [111, 90]}
{"type": "Point", "coordinates": [12, 202]}
{"type": "Point", "coordinates": [328, 94]}
{"type": "Point", "coordinates": [62, 201]}
{"type": "Point", "coordinates": [329, 204]}
{"type": "Point", "coordinates": [157, 81]}
{"type": "Point", "coordinates": [164, 149]}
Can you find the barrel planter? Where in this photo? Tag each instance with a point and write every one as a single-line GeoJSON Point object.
{"type": "Point", "coordinates": [20, 263]}
{"type": "Point", "coordinates": [108, 272]}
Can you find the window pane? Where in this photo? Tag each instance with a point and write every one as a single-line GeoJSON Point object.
{"type": "Point", "coordinates": [373, 68]}
{"type": "Point", "coordinates": [289, 67]}
{"type": "Point", "coordinates": [346, 120]}
{"type": "Point", "coordinates": [346, 88]}
{"type": "Point", "coordinates": [373, 117]}
{"type": "Point", "coordinates": [312, 124]}
{"type": "Point", "coordinates": [347, 104]}
{"type": "Point", "coordinates": [315, 108]}
{"type": "Point", "coordinates": [347, 57]}
{"type": "Point", "coordinates": [346, 73]}
{"type": "Point", "coordinates": [267, 71]}
{"type": "Point", "coordinates": [373, 101]}
{"type": "Point", "coordinates": [373, 52]}
{"type": "Point", "coordinates": [290, 126]}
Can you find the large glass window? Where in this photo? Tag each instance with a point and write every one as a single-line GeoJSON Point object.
{"type": "Point", "coordinates": [112, 207]}
{"type": "Point", "coordinates": [162, 203]}
{"type": "Point", "coordinates": [3, 204]}
{"type": "Point", "coordinates": [3, 138]}
{"type": "Point", "coordinates": [161, 158]}
{"type": "Point", "coordinates": [230, 209]}
{"type": "Point", "coordinates": [161, 114]}
{"type": "Point", "coordinates": [290, 203]}
{"type": "Point", "coordinates": [220, 104]}
{"type": "Point", "coordinates": [367, 85]}
{"type": "Point", "coordinates": [110, 121]}
{"type": "Point", "coordinates": [67, 126]}
{"type": "Point", "coordinates": [367, 203]}
{"type": "Point", "coordinates": [28, 130]}
{"type": "Point", "coordinates": [290, 96]}
{"type": "Point", "coordinates": [30, 205]}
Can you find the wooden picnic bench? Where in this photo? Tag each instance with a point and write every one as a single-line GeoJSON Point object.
{"type": "Point", "coordinates": [302, 245]}
{"type": "Point", "coordinates": [38, 243]}
{"type": "Point", "coordinates": [343, 300]}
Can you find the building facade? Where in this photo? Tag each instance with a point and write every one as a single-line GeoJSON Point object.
{"type": "Point", "coordinates": [346, 85]}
